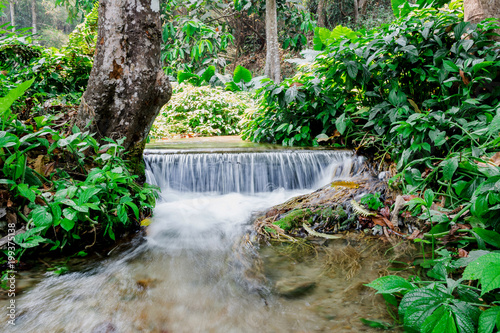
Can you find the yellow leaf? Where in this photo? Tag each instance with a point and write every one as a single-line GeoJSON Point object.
{"type": "Point", "coordinates": [145, 222]}
{"type": "Point", "coordinates": [415, 106]}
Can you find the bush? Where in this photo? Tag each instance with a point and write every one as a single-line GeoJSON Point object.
{"type": "Point", "coordinates": [201, 110]}
{"type": "Point", "coordinates": [57, 72]}
{"type": "Point", "coordinates": [68, 190]}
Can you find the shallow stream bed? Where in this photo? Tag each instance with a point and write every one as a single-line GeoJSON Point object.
{"type": "Point", "coordinates": [197, 271]}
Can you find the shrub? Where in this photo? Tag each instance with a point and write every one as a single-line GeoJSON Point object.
{"type": "Point", "coordinates": [201, 110]}
{"type": "Point", "coordinates": [68, 190]}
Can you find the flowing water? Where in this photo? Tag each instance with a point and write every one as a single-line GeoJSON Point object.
{"type": "Point", "coordinates": [195, 273]}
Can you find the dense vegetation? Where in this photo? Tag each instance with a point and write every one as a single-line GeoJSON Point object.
{"type": "Point", "coordinates": [423, 92]}
{"type": "Point", "coordinates": [201, 111]}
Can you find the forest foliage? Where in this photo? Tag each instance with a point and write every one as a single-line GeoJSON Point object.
{"type": "Point", "coordinates": [421, 92]}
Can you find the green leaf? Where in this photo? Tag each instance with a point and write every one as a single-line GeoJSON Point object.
{"type": "Point", "coordinates": [376, 324]}
{"type": "Point", "coordinates": [87, 194]}
{"type": "Point", "coordinates": [12, 95]}
{"type": "Point", "coordinates": [489, 236]}
{"type": "Point", "coordinates": [429, 197]}
{"type": "Point", "coordinates": [122, 214]}
{"type": "Point", "coordinates": [395, 6]}
{"type": "Point", "coordinates": [449, 167]}
{"type": "Point", "coordinates": [441, 321]}
{"type": "Point", "coordinates": [208, 73]}
{"type": "Point", "coordinates": [41, 217]}
{"type": "Point", "coordinates": [291, 94]}
{"type": "Point", "coordinates": [489, 319]}
{"type": "Point", "coordinates": [26, 192]}
{"type": "Point", "coordinates": [450, 66]}
{"type": "Point", "coordinates": [418, 304]}
{"type": "Point", "coordinates": [341, 123]}
{"type": "Point", "coordinates": [186, 76]}
{"type": "Point", "coordinates": [486, 269]}
{"type": "Point", "coordinates": [67, 224]}
{"type": "Point", "coordinates": [134, 208]}
{"type": "Point", "coordinates": [352, 69]}
{"type": "Point", "coordinates": [391, 284]}
{"type": "Point", "coordinates": [8, 140]}
{"type": "Point", "coordinates": [241, 73]}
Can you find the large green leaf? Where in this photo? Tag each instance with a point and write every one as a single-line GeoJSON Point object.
{"type": "Point", "coordinates": [395, 6]}
{"type": "Point", "coordinates": [489, 319]}
{"type": "Point", "coordinates": [449, 167]}
{"type": "Point", "coordinates": [441, 321]}
{"type": "Point", "coordinates": [341, 123]}
{"type": "Point", "coordinates": [391, 284]}
{"type": "Point", "coordinates": [489, 236]}
{"type": "Point", "coordinates": [241, 73]}
{"type": "Point", "coordinates": [8, 140]}
{"type": "Point", "coordinates": [208, 73]}
{"type": "Point", "coordinates": [6, 102]}
{"type": "Point", "coordinates": [186, 76]}
{"type": "Point", "coordinates": [26, 192]}
{"type": "Point", "coordinates": [418, 304]}
{"type": "Point", "coordinates": [486, 269]}
{"type": "Point", "coordinates": [41, 217]}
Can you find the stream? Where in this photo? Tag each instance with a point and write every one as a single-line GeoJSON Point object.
{"type": "Point", "coordinates": [197, 271]}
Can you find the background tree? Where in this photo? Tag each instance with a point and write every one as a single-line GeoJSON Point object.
{"type": "Point", "coordinates": [477, 10]}
{"type": "Point", "coordinates": [321, 13]}
{"type": "Point", "coordinates": [127, 86]}
{"type": "Point", "coordinates": [12, 14]}
{"type": "Point", "coordinates": [273, 68]}
{"type": "Point", "coordinates": [33, 16]}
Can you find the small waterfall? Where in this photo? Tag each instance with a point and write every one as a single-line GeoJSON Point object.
{"type": "Point", "coordinates": [248, 173]}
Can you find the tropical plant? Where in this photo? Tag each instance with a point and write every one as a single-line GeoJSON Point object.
{"type": "Point", "coordinates": [201, 111]}
{"type": "Point", "coordinates": [68, 189]}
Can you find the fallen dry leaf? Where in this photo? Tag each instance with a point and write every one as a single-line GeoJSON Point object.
{"type": "Point", "coordinates": [462, 253]}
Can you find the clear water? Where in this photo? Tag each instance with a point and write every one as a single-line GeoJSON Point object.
{"type": "Point", "coordinates": [195, 273]}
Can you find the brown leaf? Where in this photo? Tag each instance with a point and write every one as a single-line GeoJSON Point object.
{"type": "Point", "coordinates": [385, 212]}
{"type": "Point", "coordinates": [49, 168]}
{"type": "Point", "coordinates": [495, 159]}
{"type": "Point", "coordinates": [39, 201]}
{"type": "Point", "coordinates": [39, 164]}
{"type": "Point", "coordinates": [415, 234]}
{"type": "Point", "coordinates": [406, 214]}
{"type": "Point", "coordinates": [462, 253]}
{"type": "Point", "coordinates": [414, 105]}
{"type": "Point", "coordinates": [464, 79]}
{"type": "Point", "coordinates": [11, 218]}
{"type": "Point", "coordinates": [382, 221]}
{"type": "Point", "coordinates": [408, 197]}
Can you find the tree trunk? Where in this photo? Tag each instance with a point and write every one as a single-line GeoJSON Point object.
{"type": "Point", "coordinates": [362, 6]}
{"type": "Point", "coordinates": [127, 86]}
{"type": "Point", "coordinates": [12, 15]}
{"type": "Point", "coordinates": [33, 15]}
{"type": "Point", "coordinates": [477, 10]}
{"type": "Point", "coordinates": [321, 13]}
{"type": "Point", "coordinates": [272, 68]}
{"type": "Point", "coordinates": [356, 12]}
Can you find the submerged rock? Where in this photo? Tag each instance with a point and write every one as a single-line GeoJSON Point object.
{"type": "Point", "coordinates": [294, 287]}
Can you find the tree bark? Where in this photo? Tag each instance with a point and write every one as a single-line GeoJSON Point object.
{"type": "Point", "coordinates": [356, 12]}
{"type": "Point", "coordinates": [127, 86]}
{"type": "Point", "coordinates": [12, 15]}
{"type": "Point", "coordinates": [321, 13]}
{"type": "Point", "coordinates": [33, 16]}
{"type": "Point", "coordinates": [477, 10]}
{"type": "Point", "coordinates": [272, 68]}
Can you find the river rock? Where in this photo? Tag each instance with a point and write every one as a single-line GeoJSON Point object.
{"type": "Point", "coordinates": [294, 287]}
